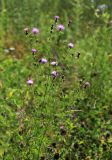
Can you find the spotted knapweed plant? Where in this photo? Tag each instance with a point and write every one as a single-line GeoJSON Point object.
{"type": "Point", "coordinates": [53, 61]}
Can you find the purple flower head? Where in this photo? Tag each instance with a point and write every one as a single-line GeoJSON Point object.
{"type": "Point", "coordinates": [70, 45]}
{"type": "Point", "coordinates": [30, 81]}
{"type": "Point", "coordinates": [35, 30]}
{"type": "Point", "coordinates": [56, 18]}
{"type": "Point", "coordinates": [54, 73]}
{"type": "Point", "coordinates": [60, 27]}
{"type": "Point", "coordinates": [63, 130]}
{"type": "Point", "coordinates": [62, 127]}
{"type": "Point", "coordinates": [43, 60]}
{"type": "Point", "coordinates": [34, 50]}
{"type": "Point", "coordinates": [54, 63]}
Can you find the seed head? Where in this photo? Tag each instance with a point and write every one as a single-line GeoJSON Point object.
{"type": "Point", "coordinates": [26, 30]}
{"type": "Point", "coordinates": [54, 63]}
{"type": "Point", "coordinates": [86, 85]}
{"type": "Point", "coordinates": [12, 49]}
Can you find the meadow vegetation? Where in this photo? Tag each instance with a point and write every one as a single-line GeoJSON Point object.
{"type": "Point", "coordinates": [56, 80]}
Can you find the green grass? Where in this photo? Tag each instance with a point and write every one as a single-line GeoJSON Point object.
{"type": "Point", "coordinates": [55, 118]}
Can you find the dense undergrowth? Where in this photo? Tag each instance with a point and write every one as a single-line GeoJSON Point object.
{"type": "Point", "coordinates": [61, 110]}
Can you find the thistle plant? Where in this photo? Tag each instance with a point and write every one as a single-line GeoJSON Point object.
{"type": "Point", "coordinates": [55, 90]}
{"type": "Point", "coordinates": [53, 62]}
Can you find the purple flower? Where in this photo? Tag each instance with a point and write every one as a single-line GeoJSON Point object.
{"type": "Point", "coordinates": [53, 63]}
{"type": "Point", "coordinates": [70, 45]}
{"type": "Point", "coordinates": [60, 27]}
{"type": "Point", "coordinates": [35, 30]}
{"type": "Point", "coordinates": [62, 127]}
{"type": "Point", "coordinates": [54, 73]}
{"type": "Point", "coordinates": [30, 81]}
{"type": "Point", "coordinates": [56, 18]}
{"type": "Point", "coordinates": [43, 60]}
{"type": "Point", "coordinates": [34, 50]}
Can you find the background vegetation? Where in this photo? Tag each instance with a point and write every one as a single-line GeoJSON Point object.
{"type": "Point", "coordinates": [68, 117]}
